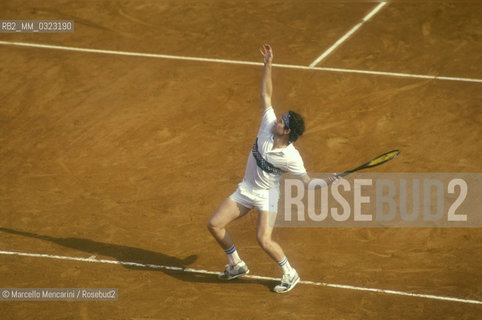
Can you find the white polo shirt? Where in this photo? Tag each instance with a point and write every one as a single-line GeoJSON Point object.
{"type": "Point", "coordinates": [287, 159]}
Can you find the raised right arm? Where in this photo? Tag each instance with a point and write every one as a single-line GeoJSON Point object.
{"type": "Point", "coordinates": [266, 83]}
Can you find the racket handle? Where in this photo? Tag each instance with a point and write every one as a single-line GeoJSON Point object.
{"type": "Point", "coordinates": [343, 174]}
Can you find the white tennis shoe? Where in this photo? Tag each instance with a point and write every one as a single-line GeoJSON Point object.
{"type": "Point", "coordinates": [232, 272]}
{"type": "Point", "coordinates": [288, 282]}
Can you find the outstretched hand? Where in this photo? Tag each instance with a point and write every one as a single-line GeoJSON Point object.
{"type": "Point", "coordinates": [331, 179]}
{"type": "Point", "coordinates": [267, 53]}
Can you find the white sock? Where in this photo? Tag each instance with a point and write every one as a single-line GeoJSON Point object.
{"type": "Point", "coordinates": [285, 266]}
{"type": "Point", "coordinates": [233, 256]}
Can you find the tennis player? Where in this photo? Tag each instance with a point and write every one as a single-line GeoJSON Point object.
{"type": "Point", "coordinates": [273, 154]}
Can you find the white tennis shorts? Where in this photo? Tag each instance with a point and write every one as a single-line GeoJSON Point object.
{"type": "Point", "coordinates": [249, 197]}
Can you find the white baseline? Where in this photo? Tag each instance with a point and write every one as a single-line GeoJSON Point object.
{"type": "Point", "coordinates": [289, 66]}
{"type": "Point", "coordinates": [199, 271]}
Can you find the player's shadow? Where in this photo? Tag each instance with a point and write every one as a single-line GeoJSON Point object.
{"type": "Point", "coordinates": [139, 259]}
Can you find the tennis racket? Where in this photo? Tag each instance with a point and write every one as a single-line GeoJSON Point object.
{"type": "Point", "coordinates": [373, 163]}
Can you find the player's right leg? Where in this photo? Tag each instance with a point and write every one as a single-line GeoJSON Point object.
{"type": "Point", "coordinates": [228, 211]}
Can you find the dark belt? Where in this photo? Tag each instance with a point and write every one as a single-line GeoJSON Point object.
{"type": "Point", "coordinates": [262, 163]}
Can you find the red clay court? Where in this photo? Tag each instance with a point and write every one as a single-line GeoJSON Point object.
{"type": "Point", "coordinates": [119, 140]}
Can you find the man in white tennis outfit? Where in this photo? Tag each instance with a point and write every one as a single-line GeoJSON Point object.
{"type": "Point", "coordinates": [272, 155]}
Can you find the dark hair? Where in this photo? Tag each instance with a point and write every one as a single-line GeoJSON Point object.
{"type": "Point", "coordinates": [297, 125]}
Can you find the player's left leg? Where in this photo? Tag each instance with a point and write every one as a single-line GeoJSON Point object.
{"type": "Point", "coordinates": [273, 249]}
{"type": "Point", "coordinates": [263, 235]}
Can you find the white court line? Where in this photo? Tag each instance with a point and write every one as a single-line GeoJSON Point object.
{"type": "Point", "coordinates": [348, 34]}
{"type": "Point", "coordinates": [190, 270]}
{"type": "Point", "coordinates": [289, 66]}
